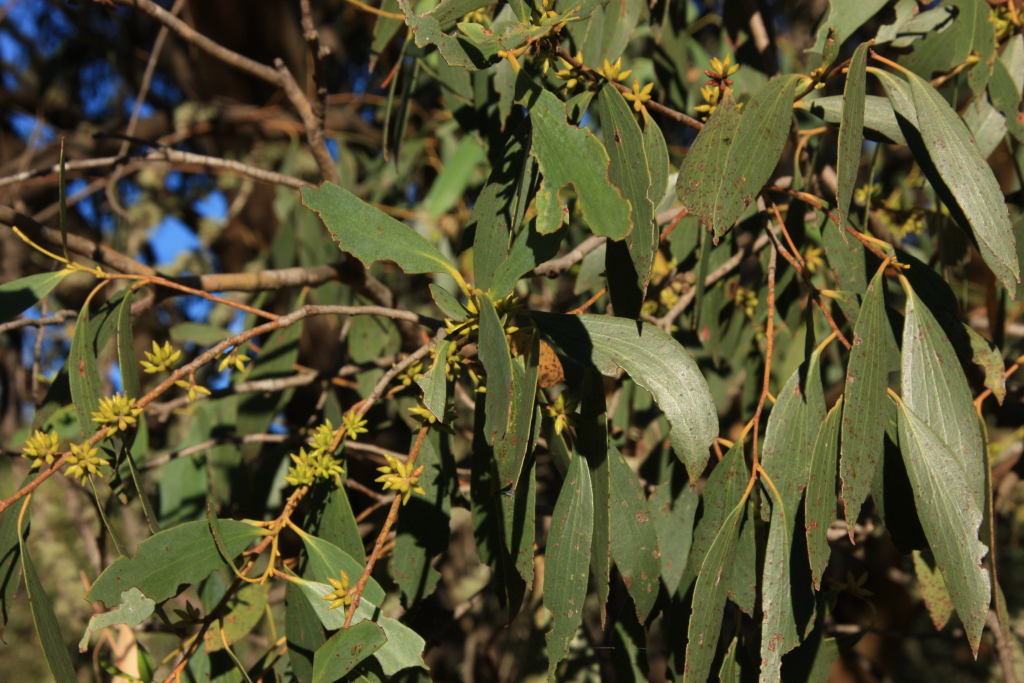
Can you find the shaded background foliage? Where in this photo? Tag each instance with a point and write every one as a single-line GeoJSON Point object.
{"type": "Point", "coordinates": [404, 132]}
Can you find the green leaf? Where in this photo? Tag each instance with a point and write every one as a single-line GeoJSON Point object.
{"type": "Point", "coordinates": [529, 250]}
{"type": "Point", "coordinates": [592, 444]}
{"type": "Point", "coordinates": [304, 631]}
{"type": "Point", "coordinates": [424, 526]}
{"type": "Point", "coordinates": [851, 134]}
{"type": "Point", "coordinates": [19, 295]}
{"type": "Point", "coordinates": [722, 492]}
{"type": "Point", "coordinates": [733, 156]}
{"type": "Point", "coordinates": [933, 589]}
{"type": "Point", "coordinates": [633, 535]}
{"type": "Point", "coordinates": [511, 448]}
{"type": "Point", "coordinates": [183, 555]}
{"type": "Point", "coordinates": [787, 603]}
{"type": "Point", "coordinates": [864, 410]}
{"type": "Point", "coordinates": [519, 513]}
{"type": "Point", "coordinates": [820, 508]}
{"type": "Point", "coordinates": [879, 122]}
{"type": "Point", "coordinates": [327, 561]}
{"type": "Point", "coordinates": [446, 301]}
{"type": "Point", "coordinates": [47, 628]}
{"type": "Point", "coordinates": [330, 518]}
{"type": "Point", "coordinates": [494, 215]}
{"type": "Point", "coordinates": [934, 387]}
{"type": "Point", "coordinates": [371, 235]}
{"type": "Point", "coordinates": [674, 505]}
{"type": "Point", "coordinates": [845, 17]}
{"type": "Point", "coordinates": [656, 362]}
{"type": "Point", "coordinates": [938, 478]}
{"type": "Point", "coordinates": [954, 166]}
{"type": "Point", "coordinates": [134, 609]}
{"type": "Point", "coordinates": [1005, 95]}
{"type": "Point", "coordinates": [345, 649]}
{"type": "Point", "coordinates": [789, 436]}
{"type": "Point", "coordinates": [371, 337]}
{"type": "Point", "coordinates": [570, 155]}
{"type": "Point", "coordinates": [629, 172]}
{"type": "Point", "coordinates": [244, 611]}
{"type": "Point", "coordinates": [404, 647]}
{"type": "Point", "coordinates": [83, 374]}
{"type": "Point", "coordinates": [384, 30]}
{"type": "Point", "coordinates": [706, 620]}
{"type": "Point", "coordinates": [977, 35]}
{"type": "Point", "coordinates": [656, 151]}
{"type": "Point", "coordinates": [434, 381]}
{"type": "Point", "coordinates": [204, 335]}
{"type": "Point", "coordinates": [568, 560]}
{"type": "Point", "coordinates": [497, 361]}
{"type": "Point", "coordinates": [129, 364]}
{"type": "Point", "coordinates": [451, 183]}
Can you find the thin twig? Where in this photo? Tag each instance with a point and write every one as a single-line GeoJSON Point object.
{"type": "Point", "coordinates": [770, 335]}
{"type": "Point", "coordinates": [1002, 647]}
{"type": "Point", "coordinates": [58, 318]}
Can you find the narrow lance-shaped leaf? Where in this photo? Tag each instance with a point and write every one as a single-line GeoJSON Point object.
{"type": "Point", "coordinates": [633, 536]}
{"type": "Point", "coordinates": [656, 362]}
{"type": "Point", "coordinates": [851, 134]}
{"type": "Point", "coordinates": [820, 509]}
{"type": "Point", "coordinates": [83, 374]}
{"type": "Point", "coordinates": [863, 423]}
{"type": "Point", "coordinates": [570, 155]}
{"type": "Point", "coordinates": [371, 235]}
{"type": "Point", "coordinates": [734, 155]}
{"type": "Point", "coordinates": [879, 120]}
{"type": "Point", "coordinates": [494, 214]}
{"type": "Point", "coordinates": [497, 360]}
{"type": "Point", "coordinates": [950, 159]}
{"type": "Point", "coordinates": [674, 507]}
{"type": "Point", "coordinates": [183, 555]}
{"type": "Point", "coordinates": [934, 387]}
{"type": "Point", "coordinates": [938, 479]}
{"type": "Point", "coordinates": [592, 442]}
{"type": "Point", "coordinates": [933, 589]}
{"type": "Point", "coordinates": [47, 627]}
{"type": "Point", "coordinates": [787, 602]}
{"type": "Point", "coordinates": [511, 448]}
{"type": "Point", "coordinates": [21, 294]}
{"type": "Point", "coordinates": [345, 649]}
{"type": "Point", "coordinates": [568, 560]}
{"type": "Point", "coordinates": [434, 381]}
{"type": "Point", "coordinates": [706, 620]}
{"type": "Point", "coordinates": [529, 250]}
{"type": "Point", "coordinates": [629, 172]}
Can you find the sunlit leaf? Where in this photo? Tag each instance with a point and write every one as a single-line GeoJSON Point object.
{"type": "Point", "coordinates": [733, 156]}
{"type": "Point", "coordinates": [950, 159]}
{"type": "Point", "coordinates": [820, 510]}
{"type": "Point", "coordinates": [345, 649]}
{"type": "Point", "coordinates": [568, 155]}
{"type": "Point", "coordinates": [656, 362]}
{"type": "Point", "coordinates": [180, 556]}
{"type": "Point", "coordinates": [938, 477]}
{"type": "Point", "coordinates": [18, 295]}
{"type": "Point", "coordinates": [851, 133]}
{"type": "Point", "coordinates": [864, 409]}
{"type": "Point", "coordinates": [371, 235]}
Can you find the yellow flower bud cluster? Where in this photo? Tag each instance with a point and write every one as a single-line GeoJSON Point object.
{"type": "Point", "coordinates": [161, 359]}
{"type": "Point", "coordinates": [41, 447]}
{"type": "Point", "coordinates": [318, 463]}
{"type": "Point", "coordinates": [400, 477]}
{"type": "Point", "coordinates": [118, 412]}
{"type": "Point", "coordinates": [340, 597]}
{"type": "Point", "coordinates": [563, 410]}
